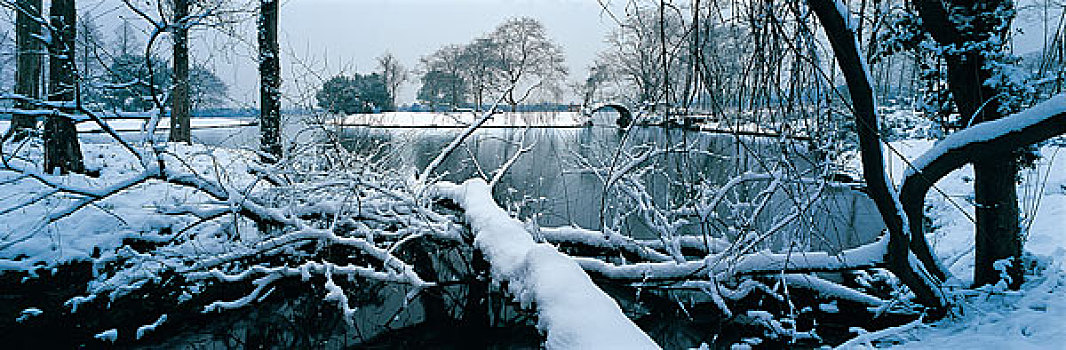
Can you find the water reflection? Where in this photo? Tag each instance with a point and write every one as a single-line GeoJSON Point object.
{"type": "Point", "coordinates": [560, 180]}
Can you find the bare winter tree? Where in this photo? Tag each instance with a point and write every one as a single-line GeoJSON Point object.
{"type": "Point", "coordinates": [394, 73]}
{"type": "Point", "coordinates": [443, 81]}
{"type": "Point", "coordinates": [270, 79]}
{"type": "Point", "coordinates": [347, 225]}
{"type": "Point", "coordinates": [28, 63]}
{"type": "Point", "coordinates": [151, 80]}
{"type": "Point", "coordinates": [971, 66]}
{"type": "Point", "coordinates": [126, 40]}
{"type": "Point", "coordinates": [597, 76]}
{"type": "Point", "coordinates": [481, 69]}
{"type": "Point", "coordinates": [843, 36]}
{"type": "Point", "coordinates": [643, 53]}
{"type": "Point", "coordinates": [986, 141]}
{"type": "Point", "coordinates": [528, 58]}
{"type": "Point", "coordinates": [180, 103]}
{"type": "Point", "coordinates": [91, 61]}
{"type": "Point", "coordinates": [62, 150]}
{"type": "Point", "coordinates": [964, 47]}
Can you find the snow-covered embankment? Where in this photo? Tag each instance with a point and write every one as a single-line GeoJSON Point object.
{"type": "Point", "coordinates": [571, 310]}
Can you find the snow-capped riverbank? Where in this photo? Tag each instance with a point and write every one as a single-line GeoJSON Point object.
{"type": "Point", "coordinates": [992, 317]}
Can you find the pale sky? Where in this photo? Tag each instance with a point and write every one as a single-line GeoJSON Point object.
{"type": "Point", "coordinates": [350, 34]}
{"type": "Point", "coordinates": [347, 35]}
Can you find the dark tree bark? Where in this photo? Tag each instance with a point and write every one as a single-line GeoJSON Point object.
{"type": "Point", "coordinates": [476, 310]}
{"type": "Point", "coordinates": [843, 39]}
{"type": "Point", "coordinates": [270, 80]}
{"type": "Point", "coordinates": [998, 235]}
{"type": "Point", "coordinates": [433, 305]}
{"type": "Point", "coordinates": [915, 186]}
{"type": "Point", "coordinates": [180, 108]}
{"type": "Point", "coordinates": [28, 62]}
{"type": "Point", "coordinates": [62, 150]}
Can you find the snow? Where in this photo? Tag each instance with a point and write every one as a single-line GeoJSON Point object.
{"type": "Point", "coordinates": [164, 124]}
{"type": "Point", "coordinates": [992, 318]}
{"type": "Point", "coordinates": [572, 234]}
{"type": "Point", "coordinates": [830, 307]}
{"type": "Point", "coordinates": [831, 290]}
{"type": "Point", "coordinates": [463, 119]}
{"type": "Point", "coordinates": [145, 329]}
{"type": "Point", "coordinates": [110, 335]}
{"type": "Point", "coordinates": [40, 230]}
{"type": "Point", "coordinates": [1032, 319]}
{"type": "Point", "coordinates": [74, 302]}
{"type": "Point", "coordinates": [723, 266]}
{"type": "Point", "coordinates": [989, 130]}
{"type": "Point", "coordinates": [571, 310]}
{"type": "Point", "coordinates": [28, 313]}
{"type": "Point", "coordinates": [1042, 194]}
{"type": "Point", "coordinates": [138, 124]}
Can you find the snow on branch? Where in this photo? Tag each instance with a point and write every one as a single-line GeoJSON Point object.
{"type": "Point", "coordinates": [571, 310]}
{"type": "Point", "coordinates": [722, 266]}
{"type": "Point", "coordinates": [998, 137]}
{"type": "Point", "coordinates": [214, 216]}
{"type": "Point", "coordinates": [610, 240]}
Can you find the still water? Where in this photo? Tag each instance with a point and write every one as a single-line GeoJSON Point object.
{"type": "Point", "coordinates": [559, 179]}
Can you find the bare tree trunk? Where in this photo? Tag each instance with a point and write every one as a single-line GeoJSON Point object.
{"type": "Point", "coordinates": [180, 128]}
{"type": "Point", "coordinates": [916, 185]}
{"type": "Point", "coordinates": [28, 70]}
{"type": "Point", "coordinates": [842, 37]}
{"type": "Point", "coordinates": [61, 148]}
{"type": "Point", "coordinates": [478, 99]}
{"type": "Point", "coordinates": [998, 235]}
{"type": "Point", "coordinates": [270, 79]}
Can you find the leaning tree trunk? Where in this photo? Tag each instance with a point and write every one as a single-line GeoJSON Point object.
{"type": "Point", "coordinates": [180, 128]}
{"type": "Point", "coordinates": [28, 64]}
{"type": "Point", "coordinates": [1031, 126]}
{"type": "Point", "coordinates": [62, 151]}
{"type": "Point", "coordinates": [842, 37]}
{"type": "Point", "coordinates": [270, 80]}
{"type": "Point", "coordinates": [998, 235]}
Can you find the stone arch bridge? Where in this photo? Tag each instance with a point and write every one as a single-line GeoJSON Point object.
{"type": "Point", "coordinates": [625, 112]}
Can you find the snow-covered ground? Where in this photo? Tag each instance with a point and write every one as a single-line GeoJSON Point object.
{"type": "Point", "coordinates": [750, 128]}
{"type": "Point", "coordinates": [164, 123]}
{"type": "Point", "coordinates": [995, 318]}
{"type": "Point", "coordinates": [41, 228]}
{"type": "Point", "coordinates": [463, 119]}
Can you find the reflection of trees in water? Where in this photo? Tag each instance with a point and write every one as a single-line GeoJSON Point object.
{"type": "Point", "coordinates": [560, 181]}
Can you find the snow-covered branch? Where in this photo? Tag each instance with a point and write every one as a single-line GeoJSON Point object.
{"type": "Point", "coordinates": [571, 310]}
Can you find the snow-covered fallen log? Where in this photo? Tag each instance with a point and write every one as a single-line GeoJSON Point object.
{"type": "Point", "coordinates": [571, 310]}
{"type": "Point", "coordinates": [585, 237]}
{"type": "Point", "coordinates": [725, 266]}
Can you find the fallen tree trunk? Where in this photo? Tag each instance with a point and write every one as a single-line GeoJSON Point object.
{"type": "Point", "coordinates": [572, 311]}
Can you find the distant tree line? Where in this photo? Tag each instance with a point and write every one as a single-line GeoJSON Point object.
{"type": "Point", "coordinates": [514, 63]}
{"type": "Point", "coordinates": [357, 93]}
{"type": "Point", "coordinates": [364, 93]}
